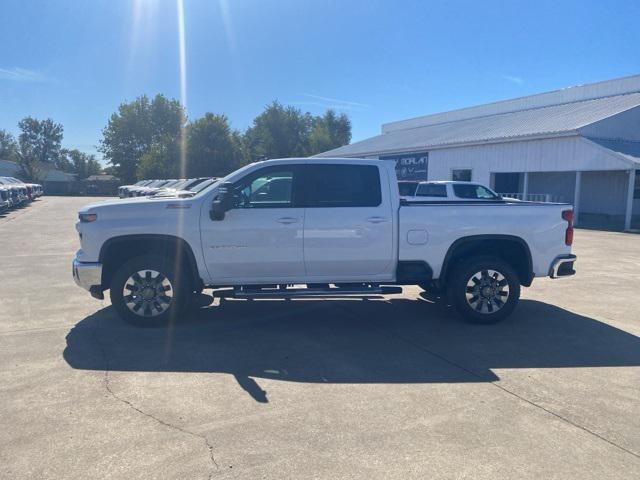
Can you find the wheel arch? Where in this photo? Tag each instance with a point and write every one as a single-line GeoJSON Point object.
{"type": "Point", "coordinates": [510, 248]}
{"type": "Point", "coordinates": [117, 250]}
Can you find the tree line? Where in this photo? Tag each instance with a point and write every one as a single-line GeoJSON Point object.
{"type": "Point", "coordinates": [39, 147]}
{"type": "Point", "coordinates": [152, 138]}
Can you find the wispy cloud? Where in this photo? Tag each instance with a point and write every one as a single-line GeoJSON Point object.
{"type": "Point", "coordinates": [328, 102]}
{"type": "Point", "coordinates": [513, 79]}
{"type": "Point", "coordinates": [18, 74]}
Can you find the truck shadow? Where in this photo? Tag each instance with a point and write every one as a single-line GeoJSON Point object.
{"type": "Point", "coordinates": [349, 341]}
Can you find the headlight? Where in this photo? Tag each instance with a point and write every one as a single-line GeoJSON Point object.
{"type": "Point", "coordinates": [88, 217]}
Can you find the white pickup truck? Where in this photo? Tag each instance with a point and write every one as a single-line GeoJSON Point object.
{"type": "Point", "coordinates": [316, 227]}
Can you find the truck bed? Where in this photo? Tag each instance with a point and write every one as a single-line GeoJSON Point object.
{"type": "Point", "coordinates": [428, 228]}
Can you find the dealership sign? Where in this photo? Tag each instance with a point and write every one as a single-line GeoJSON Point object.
{"type": "Point", "coordinates": [411, 166]}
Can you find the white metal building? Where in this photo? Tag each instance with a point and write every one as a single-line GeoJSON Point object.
{"type": "Point", "coordinates": [579, 145]}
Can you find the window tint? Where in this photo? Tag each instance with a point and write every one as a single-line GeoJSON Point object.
{"type": "Point", "coordinates": [271, 188]}
{"type": "Point", "coordinates": [432, 191]}
{"type": "Point", "coordinates": [343, 186]}
{"type": "Point", "coordinates": [473, 191]}
{"type": "Point", "coordinates": [463, 175]}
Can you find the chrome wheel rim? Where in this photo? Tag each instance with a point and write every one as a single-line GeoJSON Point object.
{"type": "Point", "coordinates": [147, 293]}
{"type": "Point", "coordinates": [487, 291]}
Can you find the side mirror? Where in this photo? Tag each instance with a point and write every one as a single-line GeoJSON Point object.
{"type": "Point", "coordinates": [223, 202]}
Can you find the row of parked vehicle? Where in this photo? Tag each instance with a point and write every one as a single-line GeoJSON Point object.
{"type": "Point", "coordinates": [181, 187]}
{"type": "Point", "coordinates": [15, 193]}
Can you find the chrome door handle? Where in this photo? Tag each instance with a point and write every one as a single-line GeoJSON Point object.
{"type": "Point", "coordinates": [377, 219]}
{"type": "Point", "coordinates": [287, 220]}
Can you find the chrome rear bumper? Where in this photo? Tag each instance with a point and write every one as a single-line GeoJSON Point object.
{"type": "Point", "coordinates": [562, 266]}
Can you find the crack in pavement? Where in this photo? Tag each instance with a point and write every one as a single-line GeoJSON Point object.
{"type": "Point", "coordinates": [492, 382]}
{"type": "Point", "coordinates": [114, 395]}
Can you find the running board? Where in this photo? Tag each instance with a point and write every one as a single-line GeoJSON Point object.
{"type": "Point", "coordinates": [305, 292]}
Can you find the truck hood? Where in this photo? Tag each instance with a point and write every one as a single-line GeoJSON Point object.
{"type": "Point", "coordinates": [134, 207]}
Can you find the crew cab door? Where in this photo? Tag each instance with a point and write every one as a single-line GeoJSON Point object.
{"type": "Point", "coordinates": [348, 226]}
{"type": "Point", "coordinates": [260, 238]}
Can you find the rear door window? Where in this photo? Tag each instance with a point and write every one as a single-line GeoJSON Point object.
{"type": "Point", "coordinates": [342, 186]}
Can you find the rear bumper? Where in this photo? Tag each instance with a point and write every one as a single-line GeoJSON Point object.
{"type": "Point", "coordinates": [88, 276]}
{"type": "Point", "coordinates": [562, 266]}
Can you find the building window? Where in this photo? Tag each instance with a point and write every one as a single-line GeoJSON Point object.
{"type": "Point", "coordinates": [636, 186]}
{"type": "Point", "coordinates": [461, 175]}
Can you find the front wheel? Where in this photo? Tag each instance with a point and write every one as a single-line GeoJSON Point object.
{"type": "Point", "coordinates": [147, 291]}
{"type": "Point", "coordinates": [485, 290]}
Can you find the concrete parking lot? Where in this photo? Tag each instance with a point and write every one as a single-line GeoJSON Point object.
{"type": "Point", "coordinates": [394, 387]}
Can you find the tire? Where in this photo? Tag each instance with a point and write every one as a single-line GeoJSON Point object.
{"type": "Point", "coordinates": [484, 290]}
{"type": "Point", "coordinates": [147, 291]}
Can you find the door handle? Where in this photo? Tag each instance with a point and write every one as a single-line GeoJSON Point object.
{"type": "Point", "coordinates": [287, 220]}
{"type": "Point", "coordinates": [377, 219]}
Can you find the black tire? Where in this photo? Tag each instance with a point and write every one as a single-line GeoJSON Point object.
{"type": "Point", "coordinates": [479, 295]}
{"type": "Point", "coordinates": [163, 311]}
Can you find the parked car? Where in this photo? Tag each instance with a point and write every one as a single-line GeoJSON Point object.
{"type": "Point", "coordinates": [30, 190]}
{"type": "Point", "coordinates": [407, 188]}
{"type": "Point", "coordinates": [5, 199]}
{"type": "Point", "coordinates": [453, 191]}
{"type": "Point", "coordinates": [182, 193]}
{"type": "Point", "coordinates": [123, 191]}
{"type": "Point", "coordinates": [340, 222]}
{"type": "Point", "coordinates": [18, 190]}
{"type": "Point", "coordinates": [151, 188]}
{"type": "Point", "coordinates": [185, 184]}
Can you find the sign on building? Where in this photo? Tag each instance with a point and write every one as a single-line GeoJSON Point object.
{"type": "Point", "coordinates": [411, 166]}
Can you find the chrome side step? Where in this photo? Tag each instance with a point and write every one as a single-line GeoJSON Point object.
{"type": "Point", "coordinates": [304, 292]}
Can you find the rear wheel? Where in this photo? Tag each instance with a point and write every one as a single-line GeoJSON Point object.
{"type": "Point", "coordinates": [147, 291]}
{"type": "Point", "coordinates": [485, 290]}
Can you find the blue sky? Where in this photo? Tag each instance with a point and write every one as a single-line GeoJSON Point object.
{"type": "Point", "coordinates": [377, 61]}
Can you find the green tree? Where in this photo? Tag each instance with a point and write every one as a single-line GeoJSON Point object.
{"type": "Point", "coordinates": [329, 131]}
{"type": "Point", "coordinates": [279, 131]}
{"type": "Point", "coordinates": [77, 162]}
{"type": "Point", "coordinates": [29, 166]}
{"type": "Point", "coordinates": [161, 161]}
{"type": "Point", "coordinates": [42, 139]}
{"type": "Point", "coordinates": [8, 146]}
{"type": "Point", "coordinates": [136, 128]}
{"type": "Point", "coordinates": [213, 149]}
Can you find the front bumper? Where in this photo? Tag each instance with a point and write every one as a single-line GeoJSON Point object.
{"type": "Point", "coordinates": [562, 266]}
{"type": "Point", "coordinates": [88, 276]}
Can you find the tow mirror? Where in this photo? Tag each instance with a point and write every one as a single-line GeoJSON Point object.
{"type": "Point", "coordinates": [223, 202]}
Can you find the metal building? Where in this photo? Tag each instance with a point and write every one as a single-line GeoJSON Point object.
{"type": "Point", "coordinates": [579, 145]}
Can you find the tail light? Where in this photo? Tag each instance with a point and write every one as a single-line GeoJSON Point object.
{"type": "Point", "coordinates": [568, 234]}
